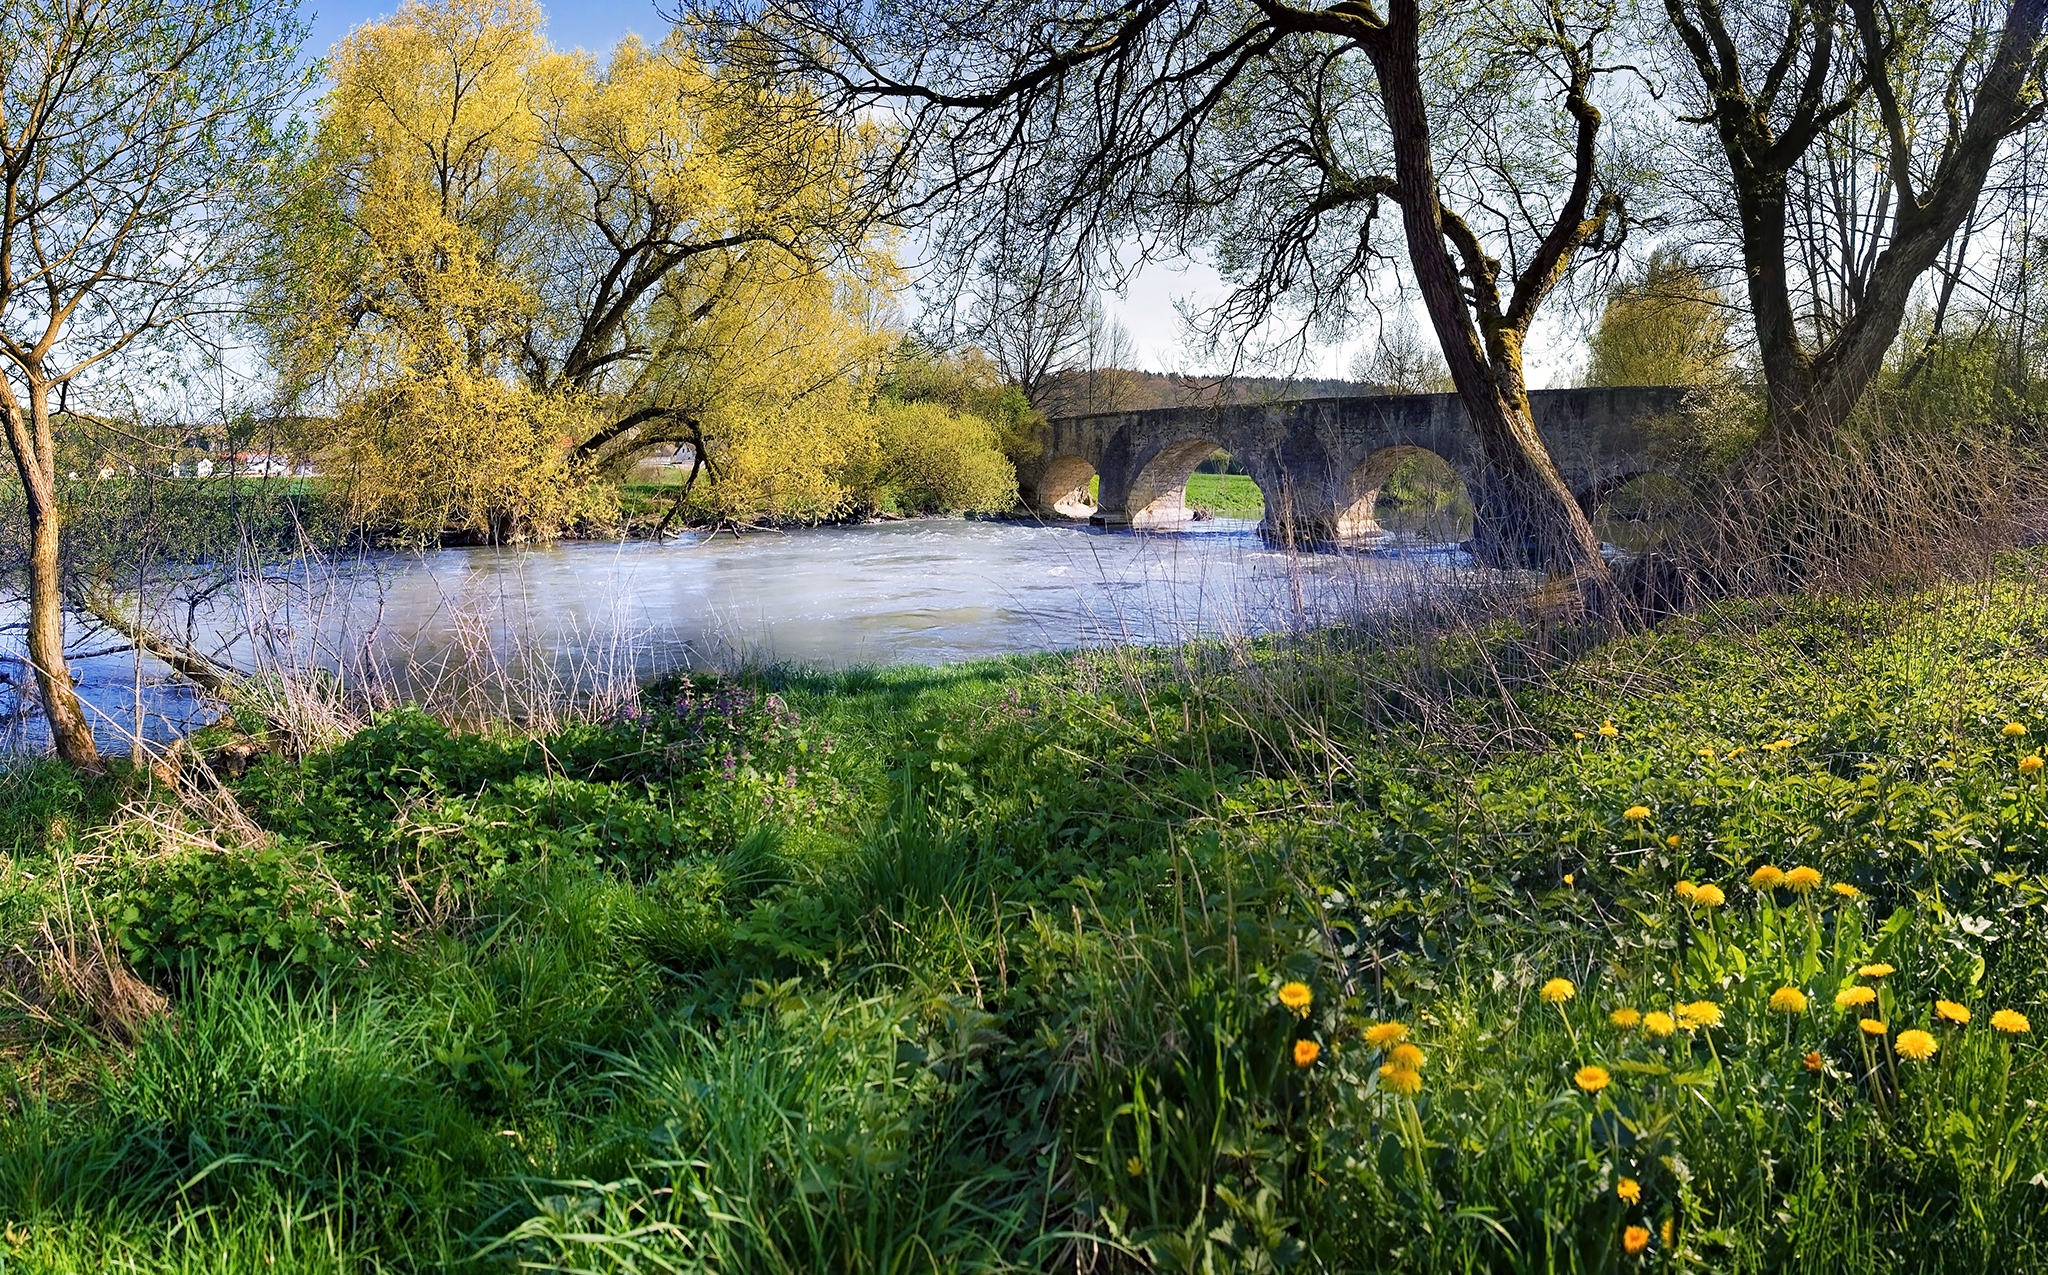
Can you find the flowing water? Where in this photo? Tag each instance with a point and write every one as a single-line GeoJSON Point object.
{"type": "Point", "coordinates": [934, 591]}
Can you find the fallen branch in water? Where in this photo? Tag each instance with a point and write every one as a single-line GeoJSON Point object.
{"type": "Point", "coordinates": [201, 670]}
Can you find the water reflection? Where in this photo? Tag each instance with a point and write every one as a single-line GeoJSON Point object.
{"type": "Point", "coordinates": [915, 592]}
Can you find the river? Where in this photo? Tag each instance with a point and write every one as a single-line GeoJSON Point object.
{"type": "Point", "coordinates": [576, 615]}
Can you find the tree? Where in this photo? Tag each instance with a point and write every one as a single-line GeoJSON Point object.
{"type": "Point", "coordinates": [134, 136]}
{"type": "Point", "coordinates": [1273, 135]}
{"type": "Point", "coordinates": [1665, 326]}
{"type": "Point", "coordinates": [1401, 362]}
{"type": "Point", "coordinates": [1857, 138]}
{"type": "Point", "coordinates": [496, 235]}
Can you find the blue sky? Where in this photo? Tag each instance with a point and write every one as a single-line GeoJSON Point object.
{"type": "Point", "coordinates": [595, 25]}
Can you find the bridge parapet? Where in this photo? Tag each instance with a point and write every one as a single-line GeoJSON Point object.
{"type": "Point", "coordinates": [1320, 462]}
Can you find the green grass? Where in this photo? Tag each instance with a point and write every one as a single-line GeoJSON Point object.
{"type": "Point", "coordinates": [976, 968]}
{"type": "Point", "coordinates": [1226, 495]}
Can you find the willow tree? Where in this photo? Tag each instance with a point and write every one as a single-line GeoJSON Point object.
{"type": "Point", "coordinates": [1280, 140]}
{"type": "Point", "coordinates": [135, 136]}
{"type": "Point", "coordinates": [507, 259]}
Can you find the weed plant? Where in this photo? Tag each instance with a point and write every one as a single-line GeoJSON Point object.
{"type": "Point", "coordinates": [1719, 947]}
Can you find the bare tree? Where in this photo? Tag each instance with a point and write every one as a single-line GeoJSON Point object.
{"type": "Point", "coordinates": [1857, 137]}
{"type": "Point", "coordinates": [1272, 136]}
{"type": "Point", "coordinates": [1399, 361]}
{"type": "Point", "coordinates": [132, 132]}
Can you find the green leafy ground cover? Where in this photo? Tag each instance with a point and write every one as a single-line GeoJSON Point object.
{"type": "Point", "coordinates": [1226, 495]}
{"type": "Point", "coordinates": [980, 968]}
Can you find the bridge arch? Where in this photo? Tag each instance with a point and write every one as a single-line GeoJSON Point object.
{"type": "Point", "coordinates": [1063, 486]}
{"type": "Point", "coordinates": [1359, 493]}
{"type": "Point", "coordinates": [1158, 492]}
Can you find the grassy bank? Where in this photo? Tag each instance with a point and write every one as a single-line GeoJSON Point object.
{"type": "Point", "coordinates": [1103, 961]}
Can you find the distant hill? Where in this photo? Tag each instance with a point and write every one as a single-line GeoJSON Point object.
{"type": "Point", "coordinates": [1123, 390]}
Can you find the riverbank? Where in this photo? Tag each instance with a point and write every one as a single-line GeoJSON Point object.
{"type": "Point", "coordinates": [1012, 964]}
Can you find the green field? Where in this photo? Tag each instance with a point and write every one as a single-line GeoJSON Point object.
{"type": "Point", "coordinates": [1226, 495]}
{"type": "Point", "coordinates": [993, 967]}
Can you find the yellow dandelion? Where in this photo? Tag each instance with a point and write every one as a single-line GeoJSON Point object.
{"type": "Point", "coordinates": [1636, 814]}
{"type": "Point", "coordinates": [2011, 1022]}
{"type": "Point", "coordinates": [1685, 890]}
{"type": "Point", "coordinates": [1699, 1014]}
{"type": "Point", "coordinates": [1382, 1035]}
{"type": "Point", "coordinates": [1802, 878]}
{"type": "Point", "coordinates": [1659, 1023]}
{"type": "Point", "coordinates": [1567, 878]}
{"type": "Point", "coordinates": [1405, 1056]}
{"type": "Point", "coordinates": [1847, 891]}
{"type": "Point", "coordinates": [1306, 1052]}
{"type": "Point", "coordinates": [1592, 1078]}
{"type": "Point", "coordinates": [1851, 997]}
{"type": "Point", "coordinates": [1916, 1045]}
{"type": "Point", "coordinates": [1558, 990]}
{"type": "Point", "coordinates": [1672, 841]}
{"type": "Point", "coordinates": [1789, 1000]}
{"type": "Point", "coordinates": [1630, 1191]}
{"type": "Point", "coordinates": [1872, 1026]}
{"type": "Point", "coordinates": [1625, 1018]}
{"type": "Point", "coordinates": [1767, 877]}
{"type": "Point", "coordinates": [1670, 1231]}
{"type": "Point", "coordinates": [1578, 734]}
{"type": "Point", "coordinates": [2030, 763]}
{"type": "Point", "coordinates": [1879, 970]}
{"type": "Point", "coordinates": [1607, 730]}
{"type": "Point", "coordinates": [1707, 753]}
{"type": "Point", "coordinates": [1709, 896]}
{"type": "Point", "coordinates": [1297, 997]}
{"type": "Point", "coordinates": [1952, 1012]}
{"type": "Point", "coordinates": [1635, 1239]}
{"type": "Point", "coordinates": [1733, 753]}
{"type": "Point", "coordinates": [2013, 730]}
{"type": "Point", "coordinates": [1401, 1080]}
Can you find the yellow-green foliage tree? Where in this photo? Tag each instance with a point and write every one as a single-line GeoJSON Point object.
{"type": "Point", "coordinates": [512, 269]}
{"type": "Point", "coordinates": [1665, 326]}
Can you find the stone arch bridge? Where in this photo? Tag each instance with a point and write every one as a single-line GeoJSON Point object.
{"type": "Point", "coordinates": [1320, 462]}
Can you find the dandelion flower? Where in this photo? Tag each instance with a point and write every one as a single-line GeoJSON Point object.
{"type": "Point", "coordinates": [1813, 1060]}
{"type": "Point", "coordinates": [1916, 1045]}
{"type": "Point", "coordinates": [1766, 877]}
{"type": "Point", "coordinates": [1707, 753]}
{"type": "Point", "coordinates": [1636, 814]}
{"type": "Point", "coordinates": [1802, 878]}
{"type": "Point", "coordinates": [1635, 1239]}
{"type": "Point", "coordinates": [1578, 734]}
{"type": "Point", "coordinates": [1672, 841]}
{"type": "Point", "coordinates": [1630, 1191]}
{"type": "Point", "coordinates": [1879, 970]}
{"type": "Point", "coordinates": [1607, 730]}
{"type": "Point", "coordinates": [1951, 1011]}
{"type": "Point", "coordinates": [1789, 1000]}
{"type": "Point", "coordinates": [1686, 889]}
{"type": "Point", "coordinates": [1846, 890]}
{"type": "Point", "coordinates": [1659, 1023]}
{"type": "Point", "coordinates": [1401, 1080]}
{"type": "Point", "coordinates": [1872, 1026]}
{"type": "Point", "coordinates": [1558, 990]}
{"type": "Point", "coordinates": [1733, 753]}
{"type": "Point", "coordinates": [1382, 1035]}
{"type": "Point", "coordinates": [2011, 1021]}
{"type": "Point", "coordinates": [1709, 896]}
{"type": "Point", "coordinates": [1699, 1014]}
{"type": "Point", "coordinates": [1406, 1056]}
{"type": "Point", "coordinates": [1592, 1078]}
{"type": "Point", "coordinates": [1306, 1053]}
{"type": "Point", "coordinates": [1297, 998]}
{"type": "Point", "coordinates": [1851, 997]}
{"type": "Point", "coordinates": [2013, 730]}
{"type": "Point", "coordinates": [1567, 878]}
{"type": "Point", "coordinates": [1625, 1017]}
{"type": "Point", "coordinates": [1779, 745]}
{"type": "Point", "coordinates": [2030, 763]}
{"type": "Point", "coordinates": [1670, 1231]}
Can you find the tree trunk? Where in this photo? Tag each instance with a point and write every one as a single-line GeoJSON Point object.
{"type": "Point", "coordinates": [35, 458]}
{"type": "Point", "coordinates": [1526, 515]}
